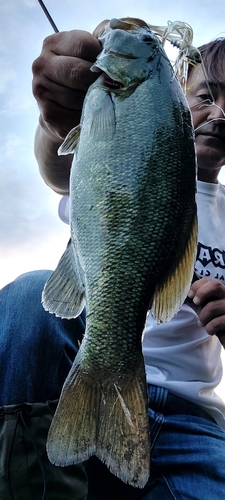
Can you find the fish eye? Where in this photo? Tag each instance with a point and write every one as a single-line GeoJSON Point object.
{"type": "Point", "coordinates": [147, 39]}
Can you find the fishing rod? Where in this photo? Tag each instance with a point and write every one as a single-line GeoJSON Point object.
{"type": "Point", "coordinates": [48, 16]}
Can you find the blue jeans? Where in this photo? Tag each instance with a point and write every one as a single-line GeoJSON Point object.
{"type": "Point", "coordinates": [188, 450]}
{"type": "Point", "coordinates": [36, 348]}
{"type": "Point", "coordinates": [187, 456]}
{"type": "Point", "coordinates": [36, 353]}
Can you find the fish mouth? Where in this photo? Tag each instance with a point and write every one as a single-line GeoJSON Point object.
{"type": "Point", "coordinates": [121, 56]}
{"type": "Point", "coordinates": [112, 84]}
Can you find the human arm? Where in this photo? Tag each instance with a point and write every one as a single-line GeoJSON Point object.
{"type": "Point", "coordinates": [208, 296]}
{"type": "Point", "coordinates": [61, 77]}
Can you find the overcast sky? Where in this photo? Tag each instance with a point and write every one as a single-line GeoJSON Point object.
{"type": "Point", "coordinates": [32, 236]}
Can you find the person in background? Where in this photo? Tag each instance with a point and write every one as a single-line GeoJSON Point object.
{"type": "Point", "coordinates": [182, 357]}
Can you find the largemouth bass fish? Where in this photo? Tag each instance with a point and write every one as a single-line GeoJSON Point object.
{"type": "Point", "coordinates": [132, 248]}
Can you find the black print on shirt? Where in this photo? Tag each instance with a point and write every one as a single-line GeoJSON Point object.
{"type": "Point", "coordinates": [206, 254]}
{"type": "Point", "coordinates": [213, 256]}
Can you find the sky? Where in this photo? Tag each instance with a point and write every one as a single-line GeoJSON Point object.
{"type": "Point", "coordinates": [31, 234]}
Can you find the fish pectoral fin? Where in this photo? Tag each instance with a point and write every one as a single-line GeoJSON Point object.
{"type": "Point", "coordinates": [103, 119]}
{"type": "Point", "coordinates": [123, 432]}
{"type": "Point", "coordinates": [73, 434]}
{"type": "Point", "coordinates": [70, 142]}
{"type": "Point", "coordinates": [64, 292]}
{"type": "Point", "coordinates": [170, 295]}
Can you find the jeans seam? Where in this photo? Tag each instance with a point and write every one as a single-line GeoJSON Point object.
{"type": "Point", "coordinates": [168, 486]}
{"type": "Point", "coordinates": [158, 423]}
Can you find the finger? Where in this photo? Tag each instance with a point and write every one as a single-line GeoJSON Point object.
{"type": "Point", "coordinates": [216, 326]}
{"type": "Point", "coordinates": [66, 59]}
{"type": "Point", "coordinates": [196, 284]}
{"type": "Point", "coordinates": [213, 310]}
{"type": "Point", "coordinates": [75, 43]}
{"type": "Point", "coordinates": [46, 91]}
{"type": "Point", "coordinates": [59, 120]}
{"type": "Point", "coordinates": [206, 290]}
{"type": "Point", "coordinates": [69, 72]}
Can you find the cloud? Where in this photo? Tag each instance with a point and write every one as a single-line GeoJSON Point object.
{"type": "Point", "coordinates": [10, 147]}
{"type": "Point", "coordinates": [18, 101]}
{"type": "Point", "coordinates": [28, 208]}
{"type": "Point", "coordinates": [30, 3]}
{"type": "Point", "coordinates": [32, 235]}
{"type": "Point", "coordinates": [7, 75]}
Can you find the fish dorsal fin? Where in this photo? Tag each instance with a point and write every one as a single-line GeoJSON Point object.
{"type": "Point", "coordinates": [170, 296]}
{"type": "Point", "coordinates": [70, 142]}
{"type": "Point", "coordinates": [64, 292]}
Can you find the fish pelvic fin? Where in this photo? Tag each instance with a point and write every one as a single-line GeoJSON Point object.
{"type": "Point", "coordinates": [109, 421]}
{"type": "Point", "coordinates": [64, 292]}
{"type": "Point", "coordinates": [70, 142]}
{"type": "Point", "coordinates": [170, 295]}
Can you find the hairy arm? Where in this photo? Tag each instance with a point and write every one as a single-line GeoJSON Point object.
{"type": "Point", "coordinates": [61, 77]}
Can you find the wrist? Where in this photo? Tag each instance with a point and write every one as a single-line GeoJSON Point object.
{"type": "Point", "coordinates": [49, 133]}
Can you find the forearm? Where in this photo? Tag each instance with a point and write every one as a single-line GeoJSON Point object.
{"type": "Point", "coordinates": [54, 169]}
{"type": "Point", "coordinates": [61, 78]}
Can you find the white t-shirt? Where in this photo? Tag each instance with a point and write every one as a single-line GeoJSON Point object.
{"type": "Point", "coordinates": [180, 355]}
{"type": "Point", "coordinates": [64, 209]}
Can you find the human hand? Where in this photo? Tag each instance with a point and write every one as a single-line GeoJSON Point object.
{"type": "Point", "coordinates": [61, 77]}
{"type": "Point", "coordinates": [208, 297]}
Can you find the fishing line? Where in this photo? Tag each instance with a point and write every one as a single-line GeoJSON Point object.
{"type": "Point", "coordinates": [205, 100]}
{"type": "Point", "coordinates": [206, 81]}
{"type": "Point", "coordinates": [48, 16]}
{"type": "Point", "coordinates": [213, 119]}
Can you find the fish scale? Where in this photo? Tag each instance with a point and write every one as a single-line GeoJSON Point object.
{"type": "Point", "coordinates": [133, 246]}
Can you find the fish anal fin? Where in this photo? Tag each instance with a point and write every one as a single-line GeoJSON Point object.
{"type": "Point", "coordinates": [70, 142]}
{"type": "Point", "coordinates": [73, 433]}
{"type": "Point", "coordinates": [170, 296]}
{"type": "Point", "coordinates": [123, 434]}
{"type": "Point", "coordinates": [64, 292]}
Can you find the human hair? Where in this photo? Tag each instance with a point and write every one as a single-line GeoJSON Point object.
{"type": "Point", "coordinates": [213, 57]}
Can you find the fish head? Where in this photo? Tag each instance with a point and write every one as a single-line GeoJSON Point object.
{"type": "Point", "coordinates": [128, 48]}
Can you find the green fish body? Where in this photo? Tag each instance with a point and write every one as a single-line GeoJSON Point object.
{"type": "Point", "coordinates": [132, 248]}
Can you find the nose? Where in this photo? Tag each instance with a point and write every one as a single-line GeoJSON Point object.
{"type": "Point", "coordinates": [216, 110]}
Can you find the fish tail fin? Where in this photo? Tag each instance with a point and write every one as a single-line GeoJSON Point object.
{"type": "Point", "coordinates": [123, 435]}
{"type": "Point", "coordinates": [108, 421]}
{"type": "Point", "coordinates": [72, 435]}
